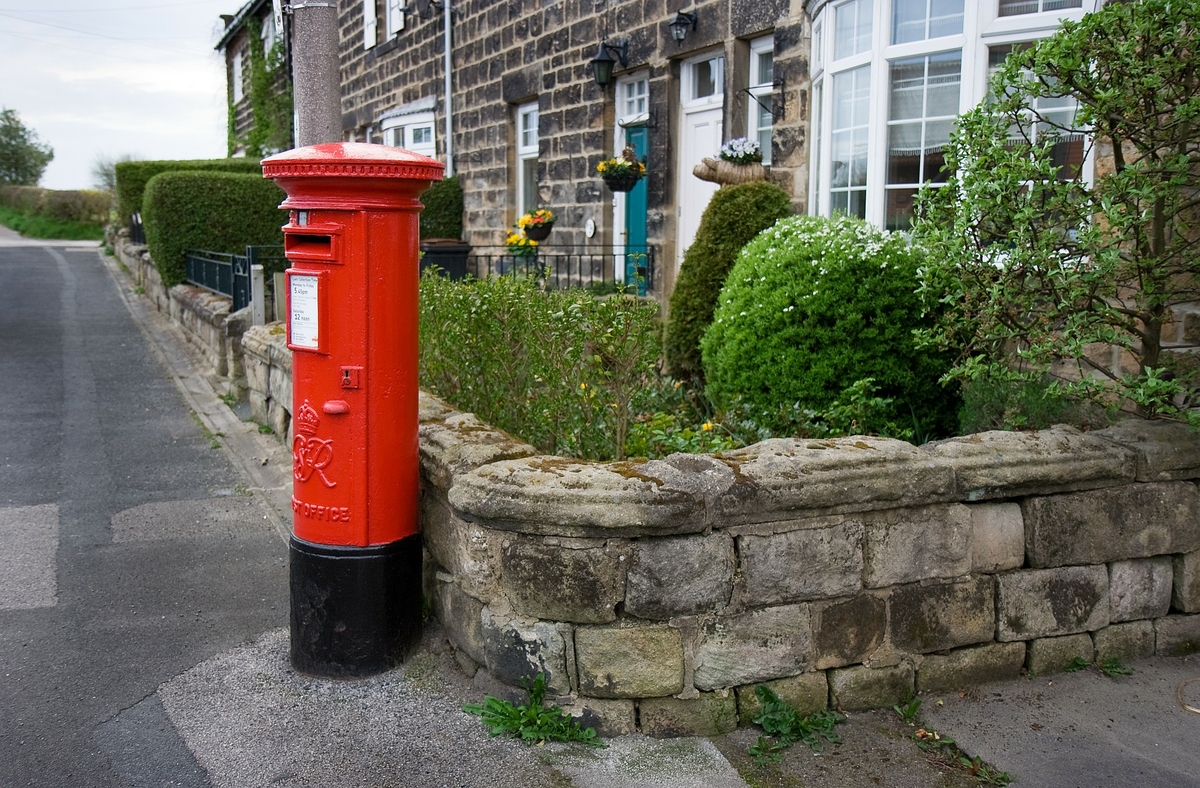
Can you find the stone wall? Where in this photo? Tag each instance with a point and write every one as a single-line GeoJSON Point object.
{"type": "Point", "coordinates": [655, 595]}
{"type": "Point", "coordinates": [268, 365]}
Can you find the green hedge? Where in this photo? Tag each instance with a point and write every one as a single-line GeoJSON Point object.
{"type": "Point", "coordinates": [734, 216]}
{"type": "Point", "coordinates": [443, 214]}
{"type": "Point", "coordinates": [70, 205]}
{"type": "Point", "coordinates": [217, 211]}
{"type": "Point", "coordinates": [133, 176]}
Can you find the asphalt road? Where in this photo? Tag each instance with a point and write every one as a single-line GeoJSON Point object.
{"type": "Point", "coordinates": [130, 550]}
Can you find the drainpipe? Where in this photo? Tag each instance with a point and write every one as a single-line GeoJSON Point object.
{"type": "Point", "coordinates": [446, 10]}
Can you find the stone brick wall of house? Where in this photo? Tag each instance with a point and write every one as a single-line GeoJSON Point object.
{"type": "Point", "coordinates": [243, 119]}
{"type": "Point", "coordinates": [508, 53]}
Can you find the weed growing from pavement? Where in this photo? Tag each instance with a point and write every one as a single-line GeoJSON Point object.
{"type": "Point", "coordinates": [788, 727]}
{"type": "Point", "coordinates": [1113, 668]}
{"type": "Point", "coordinates": [944, 749]}
{"type": "Point", "coordinates": [532, 722]}
{"type": "Point", "coordinates": [908, 708]}
{"type": "Point", "coordinates": [1076, 665]}
{"type": "Point", "coordinates": [208, 434]}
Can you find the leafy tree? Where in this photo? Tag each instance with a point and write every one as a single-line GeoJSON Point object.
{"type": "Point", "coordinates": [1045, 268]}
{"type": "Point", "coordinates": [23, 158]}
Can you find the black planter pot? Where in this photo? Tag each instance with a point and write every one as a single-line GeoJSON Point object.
{"type": "Point", "coordinates": [539, 232]}
{"type": "Point", "coordinates": [621, 182]}
{"type": "Point", "coordinates": [448, 254]}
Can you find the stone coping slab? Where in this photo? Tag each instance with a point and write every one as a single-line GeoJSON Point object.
{"type": "Point", "coordinates": [1000, 464]}
{"type": "Point", "coordinates": [496, 479]}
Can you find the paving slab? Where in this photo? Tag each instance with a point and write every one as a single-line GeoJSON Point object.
{"type": "Point", "coordinates": [1083, 729]}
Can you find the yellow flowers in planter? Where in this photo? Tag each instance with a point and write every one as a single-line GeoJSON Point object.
{"type": "Point", "coordinates": [540, 217]}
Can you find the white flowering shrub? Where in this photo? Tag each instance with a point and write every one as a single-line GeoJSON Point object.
{"type": "Point", "coordinates": [741, 151]}
{"type": "Point", "coordinates": [813, 307]}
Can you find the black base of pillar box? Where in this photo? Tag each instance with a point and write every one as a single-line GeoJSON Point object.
{"type": "Point", "coordinates": [356, 611]}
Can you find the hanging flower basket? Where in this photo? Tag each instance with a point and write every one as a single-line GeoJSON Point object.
{"type": "Point", "coordinates": [622, 173]}
{"type": "Point", "coordinates": [539, 232]}
{"type": "Point", "coordinates": [622, 181]}
{"type": "Point", "coordinates": [728, 173]}
{"type": "Point", "coordinates": [536, 225]}
{"type": "Point", "coordinates": [740, 162]}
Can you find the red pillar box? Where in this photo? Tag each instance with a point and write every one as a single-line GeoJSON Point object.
{"type": "Point", "coordinates": [352, 243]}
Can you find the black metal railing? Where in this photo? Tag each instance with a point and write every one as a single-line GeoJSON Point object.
{"type": "Point", "coordinates": [562, 267]}
{"type": "Point", "coordinates": [229, 274]}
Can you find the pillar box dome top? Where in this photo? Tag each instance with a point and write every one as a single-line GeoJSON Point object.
{"type": "Point", "coordinates": [349, 174]}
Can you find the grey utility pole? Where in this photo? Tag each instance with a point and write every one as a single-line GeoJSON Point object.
{"type": "Point", "coordinates": [316, 77]}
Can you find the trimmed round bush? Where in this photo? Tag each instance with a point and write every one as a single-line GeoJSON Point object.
{"type": "Point", "coordinates": [813, 306]}
{"type": "Point", "coordinates": [216, 211]}
{"type": "Point", "coordinates": [733, 217]}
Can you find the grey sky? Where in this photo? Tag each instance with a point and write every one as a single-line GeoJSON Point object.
{"type": "Point", "coordinates": [109, 77]}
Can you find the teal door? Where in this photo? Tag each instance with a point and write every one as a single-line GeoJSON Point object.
{"type": "Point", "coordinates": [635, 215]}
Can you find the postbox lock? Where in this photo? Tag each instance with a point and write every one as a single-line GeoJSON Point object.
{"type": "Point", "coordinates": [351, 377]}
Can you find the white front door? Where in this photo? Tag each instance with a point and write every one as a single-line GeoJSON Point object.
{"type": "Point", "coordinates": [702, 98]}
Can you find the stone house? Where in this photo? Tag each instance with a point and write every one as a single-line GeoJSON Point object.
{"type": "Point", "coordinates": [530, 123]}
{"type": "Point", "coordinates": [852, 101]}
{"type": "Point", "coordinates": [260, 18]}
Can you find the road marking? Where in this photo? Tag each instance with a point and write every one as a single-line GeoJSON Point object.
{"type": "Point", "coordinates": [28, 557]}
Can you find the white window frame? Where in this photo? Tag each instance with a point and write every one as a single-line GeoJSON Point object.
{"type": "Point", "coordinates": [761, 90]}
{"type": "Point", "coordinates": [687, 76]}
{"type": "Point", "coordinates": [982, 28]}
{"type": "Point", "coordinates": [395, 17]}
{"type": "Point", "coordinates": [633, 100]}
{"type": "Point", "coordinates": [270, 34]}
{"type": "Point", "coordinates": [370, 24]}
{"type": "Point", "coordinates": [237, 77]}
{"type": "Point", "coordinates": [527, 117]}
{"type": "Point", "coordinates": [400, 131]}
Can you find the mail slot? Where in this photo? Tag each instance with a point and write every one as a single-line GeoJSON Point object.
{"type": "Point", "coordinates": [352, 244]}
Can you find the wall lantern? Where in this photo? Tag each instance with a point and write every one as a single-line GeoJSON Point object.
{"type": "Point", "coordinates": [680, 25]}
{"type": "Point", "coordinates": [602, 63]}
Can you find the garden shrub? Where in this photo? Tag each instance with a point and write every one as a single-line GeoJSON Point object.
{"type": "Point", "coordinates": [563, 370]}
{"type": "Point", "coordinates": [820, 312]}
{"type": "Point", "coordinates": [50, 213]}
{"type": "Point", "coordinates": [733, 217]}
{"type": "Point", "coordinates": [133, 176]}
{"type": "Point", "coordinates": [22, 199]}
{"type": "Point", "coordinates": [1019, 403]}
{"type": "Point", "coordinates": [443, 214]}
{"type": "Point", "coordinates": [217, 211]}
{"type": "Point", "coordinates": [65, 205]}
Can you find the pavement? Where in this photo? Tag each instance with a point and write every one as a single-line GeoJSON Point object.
{"type": "Point", "coordinates": [242, 717]}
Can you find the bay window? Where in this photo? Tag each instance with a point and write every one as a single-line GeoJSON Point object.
{"type": "Point", "coordinates": [889, 79]}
